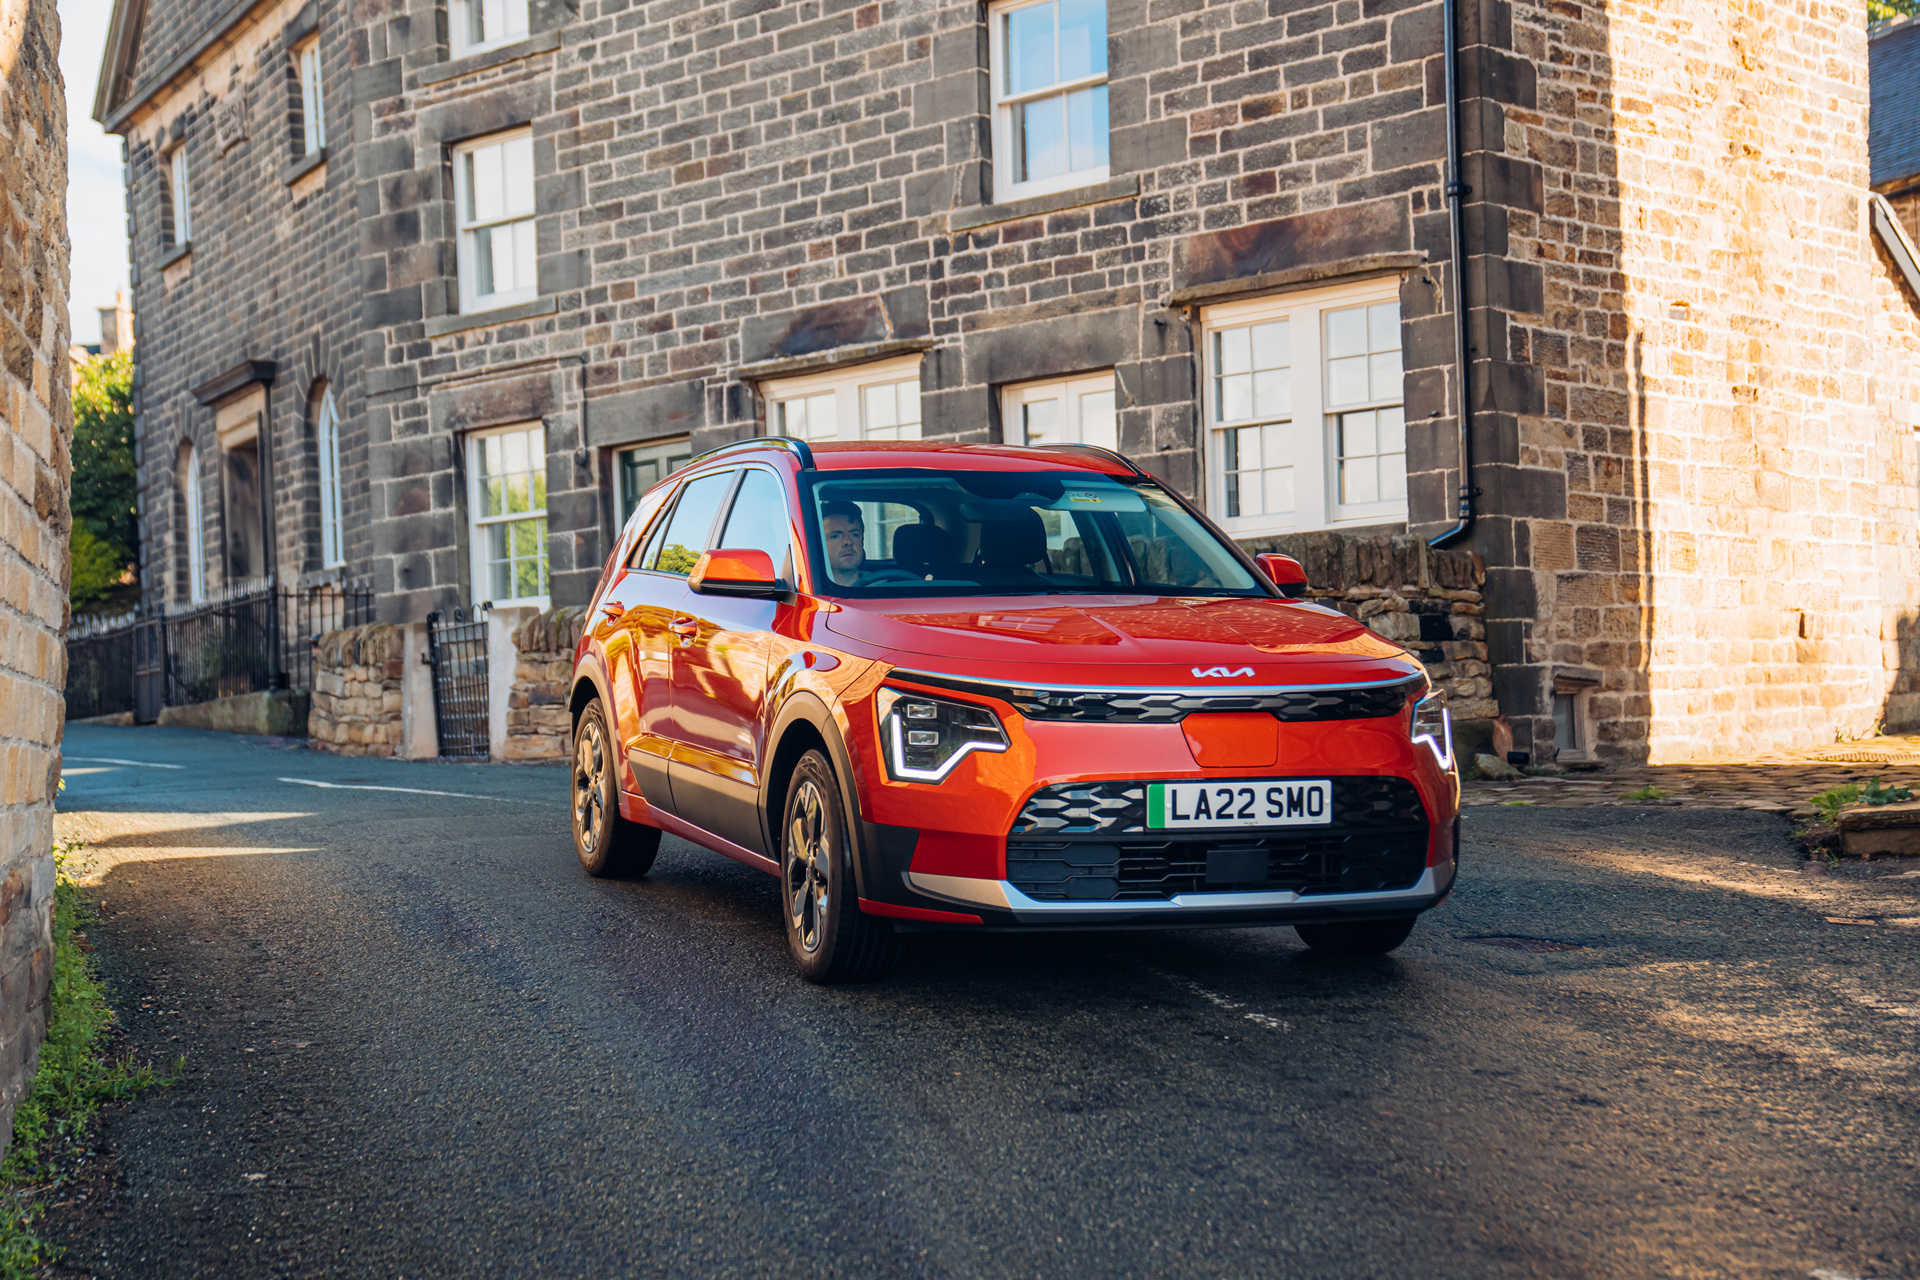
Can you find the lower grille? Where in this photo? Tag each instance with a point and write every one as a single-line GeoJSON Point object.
{"type": "Point", "coordinates": [1146, 870]}
{"type": "Point", "coordinates": [1086, 842]}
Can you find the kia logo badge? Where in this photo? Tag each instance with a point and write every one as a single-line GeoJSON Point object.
{"type": "Point", "coordinates": [1221, 673]}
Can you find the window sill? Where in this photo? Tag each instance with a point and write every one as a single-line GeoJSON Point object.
{"type": "Point", "coordinates": [174, 254]}
{"type": "Point", "coordinates": [544, 42]}
{"type": "Point", "coordinates": [303, 166]}
{"type": "Point", "coordinates": [1099, 193]}
{"type": "Point", "coordinates": [438, 326]}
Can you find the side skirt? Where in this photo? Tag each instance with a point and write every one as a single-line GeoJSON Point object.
{"type": "Point", "coordinates": [707, 840]}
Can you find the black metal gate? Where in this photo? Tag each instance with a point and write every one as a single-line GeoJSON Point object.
{"type": "Point", "coordinates": [149, 670]}
{"type": "Point", "coordinates": [457, 652]}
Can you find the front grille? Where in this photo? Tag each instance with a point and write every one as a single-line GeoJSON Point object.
{"type": "Point", "coordinates": [1143, 706]}
{"type": "Point", "coordinates": [1088, 843]}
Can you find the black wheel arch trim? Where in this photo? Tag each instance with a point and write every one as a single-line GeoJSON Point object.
{"type": "Point", "coordinates": [881, 853]}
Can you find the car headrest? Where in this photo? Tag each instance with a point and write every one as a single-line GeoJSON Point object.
{"type": "Point", "coordinates": [919, 546]}
{"type": "Point", "coordinates": [1021, 540]}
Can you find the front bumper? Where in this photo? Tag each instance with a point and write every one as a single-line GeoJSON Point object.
{"type": "Point", "coordinates": [999, 903]}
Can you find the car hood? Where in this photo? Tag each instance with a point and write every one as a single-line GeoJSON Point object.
{"type": "Point", "coordinates": [1133, 640]}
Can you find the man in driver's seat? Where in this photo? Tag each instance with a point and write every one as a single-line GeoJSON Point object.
{"type": "Point", "coordinates": [846, 537]}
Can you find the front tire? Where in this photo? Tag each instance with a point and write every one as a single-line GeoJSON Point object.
{"type": "Point", "coordinates": [608, 846]}
{"type": "Point", "coordinates": [1360, 938]}
{"type": "Point", "coordinates": [832, 940]}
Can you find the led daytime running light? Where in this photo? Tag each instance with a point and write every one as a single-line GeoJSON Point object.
{"type": "Point", "coordinates": [926, 748]}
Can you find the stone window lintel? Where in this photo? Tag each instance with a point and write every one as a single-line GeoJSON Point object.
{"type": "Point", "coordinates": [539, 42]}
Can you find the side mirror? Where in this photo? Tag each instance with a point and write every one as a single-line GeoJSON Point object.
{"type": "Point", "coordinates": [745, 571]}
{"type": "Point", "coordinates": [1286, 573]}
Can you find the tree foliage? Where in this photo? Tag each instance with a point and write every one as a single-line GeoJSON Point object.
{"type": "Point", "coordinates": [1881, 10]}
{"type": "Point", "coordinates": [106, 532]}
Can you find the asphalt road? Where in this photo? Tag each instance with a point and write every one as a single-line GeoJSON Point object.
{"type": "Point", "coordinates": [421, 1043]}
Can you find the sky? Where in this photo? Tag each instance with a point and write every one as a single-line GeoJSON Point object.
{"type": "Point", "coordinates": [96, 201]}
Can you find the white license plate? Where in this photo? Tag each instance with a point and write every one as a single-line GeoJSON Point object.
{"type": "Point", "coordinates": [1188, 806]}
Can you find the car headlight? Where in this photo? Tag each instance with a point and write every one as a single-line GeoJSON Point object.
{"type": "Point", "coordinates": [1432, 724]}
{"type": "Point", "coordinates": [925, 737]}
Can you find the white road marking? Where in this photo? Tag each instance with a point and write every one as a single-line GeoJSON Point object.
{"type": "Point", "coordinates": [412, 791]}
{"type": "Point", "coordinates": [144, 764]}
{"type": "Point", "coordinates": [1219, 1001]}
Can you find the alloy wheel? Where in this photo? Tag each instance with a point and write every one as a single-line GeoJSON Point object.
{"type": "Point", "coordinates": [808, 866]}
{"type": "Point", "coordinates": [589, 771]}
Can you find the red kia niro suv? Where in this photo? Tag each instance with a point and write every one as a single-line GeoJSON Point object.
{"type": "Point", "coordinates": [980, 687]}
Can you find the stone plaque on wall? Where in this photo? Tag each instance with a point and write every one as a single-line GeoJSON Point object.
{"type": "Point", "coordinates": [230, 121]}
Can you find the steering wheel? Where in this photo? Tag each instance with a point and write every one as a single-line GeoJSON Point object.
{"type": "Point", "coordinates": [877, 577]}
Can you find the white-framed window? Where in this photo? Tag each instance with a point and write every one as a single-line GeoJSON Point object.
{"type": "Point", "coordinates": [195, 531]}
{"type": "Point", "coordinates": [878, 401]}
{"type": "Point", "coordinates": [482, 24]}
{"type": "Point", "coordinates": [493, 193]}
{"type": "Point", "coordinates": [313, 109]}
{"type": "Point", "coordinates": [507, 476]}
{"type": "Point", "coordinates": [1048, 63]}
{"type": "Point", "coordinates": [1065, 411]}
{"type": "Point", "coordinates": [177, 193]}
{"type": "Point", "coordinates": [646, 465]}
{"type": "Point", "coordinates": [327, 437]}
{"type": "Point", "coordinates": [1303, 399]}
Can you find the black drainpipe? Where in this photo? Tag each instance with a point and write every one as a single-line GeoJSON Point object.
{"type": "Point", "coordinates": [1456, 192]}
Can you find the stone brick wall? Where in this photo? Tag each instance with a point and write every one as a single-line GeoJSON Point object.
{"type": "Point", "coordinates": [268, 276]}
{"type": "Point", "coordinates": [36, 435]}
{"type": "Point", "coordinates": [1683, 348]}
{"type": "Point", "coordinates": [729, 190]}
{"type": "Point", "coordinates": [538, 725]}
{"type": "Point", "coordinates": [357, 677]}
{"type": "Point", "coordinates": [1430, 601]}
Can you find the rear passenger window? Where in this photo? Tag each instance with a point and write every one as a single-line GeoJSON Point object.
{"type": "Point", "coordinates": [759, 520]}
{"type": "Point", "coordinates": [687, 530]}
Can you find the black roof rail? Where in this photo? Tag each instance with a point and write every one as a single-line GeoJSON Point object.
{"type": "Point", "coordinates": [1095, 451]}
{"type": "Point", "coordinates": [797, 447]}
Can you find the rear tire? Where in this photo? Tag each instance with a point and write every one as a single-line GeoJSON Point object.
{"type": "Point", "coordinates": [1361, 938]}
{"type": "Point", "coordinates": [608, 846]}
{"type": "Point", "coordinates": [832, 940]}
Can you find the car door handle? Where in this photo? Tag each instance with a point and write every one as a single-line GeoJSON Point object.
{"type": "Point", "coordinates": [684, 626]}
{"type": "Point", "coordinates": [613, 611]}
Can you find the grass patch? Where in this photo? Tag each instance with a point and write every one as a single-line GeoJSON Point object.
{"type": "Point", "coordinates": [1648, 792]}
{"type": "Point", "coordinates": [75, 1078]}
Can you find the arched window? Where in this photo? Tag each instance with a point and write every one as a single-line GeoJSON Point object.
{"type": "Point", "coordinates": [195, 530]}
{"type": "Point", "coordinates": [327, 436]}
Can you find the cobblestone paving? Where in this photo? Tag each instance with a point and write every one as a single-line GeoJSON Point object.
{"type": "Point", "coordinates": [1783, 782]}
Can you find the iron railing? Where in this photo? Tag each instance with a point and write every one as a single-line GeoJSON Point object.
{"type": "Point", "coordinates": [251, 637]}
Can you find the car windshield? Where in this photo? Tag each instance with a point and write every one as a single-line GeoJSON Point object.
{"type": "Point", "coordinates": [901, 532]}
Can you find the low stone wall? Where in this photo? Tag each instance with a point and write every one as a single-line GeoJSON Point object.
{"type": "Point", "coordinates": [1424, 599]}
{"type": "Point", "coordinates": [538, 726]}
{"type": "Point", "coordinates": [356, 691]}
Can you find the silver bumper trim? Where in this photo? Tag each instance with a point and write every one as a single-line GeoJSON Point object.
{"type": "Point", "coordinates": [1001, 894]}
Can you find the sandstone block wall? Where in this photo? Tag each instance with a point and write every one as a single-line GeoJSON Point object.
{"type": "Point", "coordinates": [538, 726]}
{"type": "Point", "coordinates": [1709, 504]}
{"type": "Point", "coordinates": [357, 691]}
{"type": "Point", "coordinates": [36, 435]}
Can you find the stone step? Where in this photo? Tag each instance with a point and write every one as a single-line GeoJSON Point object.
{"type": "Point", "coordinates": [1880, 830]}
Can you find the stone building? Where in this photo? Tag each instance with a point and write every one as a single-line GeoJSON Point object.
{"type": "Point", "coordinates": [388, 254]}
{"type": "Point", "coordinates": [36, 437]}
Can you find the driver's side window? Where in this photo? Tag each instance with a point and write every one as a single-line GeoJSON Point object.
{"type": "Point", "coordinates": [759, 521]}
